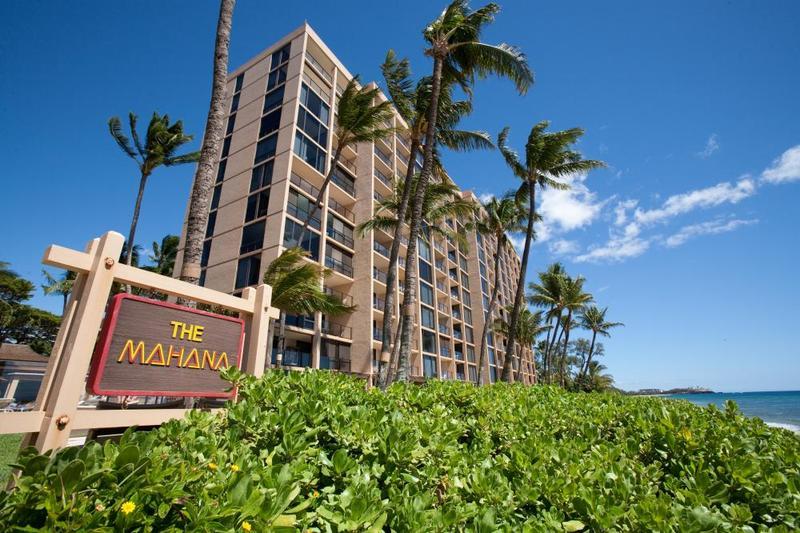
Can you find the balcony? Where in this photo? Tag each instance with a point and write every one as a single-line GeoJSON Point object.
{"type": "Point", "coordinates": [301, 214]}
{"type": "Point", "coordinates": [441, 286]}
{"type": "Point", "coordinates": [381, 249]}
{"type": "Point", "coordinates": [377, 334]}
{"type": "Point", "coordinates": [383, 178]}
{"type": "Point", "coordinates": [349, 164]}
{"type": "Point", "coordinates": [404, 143]}
{"type": "Point", "coordinates": [444, 329]}
{"type": "Point", "coordinates": [439, 247]}
{"type": "Point", "coordinates": [340, 237]}
{"type": "Point", "coordinates": [318, 68]}
{"type": "Point", "coordinates": [457, 334]}
{"type": "Point", "coordinates": [459, 356]}
{"type": "Point", "coordinates": [304, 185]}
{"type": "Point", "coordinates": [378, 196]}
{"type": "Point", "coordinates": [337, 330]}
{"type": "Point", "coordinates": [346, 299]}
{"type": "Point", "coordinates": [445, 351]}
{"type": "Point", "coordinates": [339, 209]}
{"type": "Point", "coordinates": [442, 308]}
{"type": "Point", "coordinates": [379, 275]}
{"type": "Point", "coordinates": [300, 321]}
{"type": "Point", "coordinates": [377, 302]}
{"type": "Point", "coordinates": [383, 157]}
{"type": "Point", "coordinates": [339, 266]}
{"type": "Point", "coordinates": [344, 183]}
{"type": "Point", "coordinates": [293, 357]}
{"type": "Point", "coordinates": [440, 265]}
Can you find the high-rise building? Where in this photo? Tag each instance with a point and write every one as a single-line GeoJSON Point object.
{"type": "Point", "coordinates": [277, 147]}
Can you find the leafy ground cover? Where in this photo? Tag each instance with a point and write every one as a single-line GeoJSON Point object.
{"type": "Point", "coordinates": [317, 451]}
{"type": "Point", "coordinates": [9, 446]}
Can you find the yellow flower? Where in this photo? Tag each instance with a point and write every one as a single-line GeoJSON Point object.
{"type": "Point", "coordinates": [235, 468]}
{"type": "Point", "coordinates": [128, 507]}
{"type": "Point", "coordinates": [246, 526]}
{"type": "Point", "coordinates": [212, 466]}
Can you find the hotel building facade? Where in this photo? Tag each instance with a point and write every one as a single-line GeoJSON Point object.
{"type": "Point", "coordinates": [277, 148]}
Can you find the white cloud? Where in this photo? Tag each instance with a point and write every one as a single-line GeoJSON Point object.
{"type": "Point", "coordinates": [567, 210]}
{"type": "Point", "coordinates": [517, 241]}
{"type": "Point", "coordinates": [618, 248]}
{"type": "Point", "coordinates": [678, 204]}
{"type": "Point", "coordinates": [784, 169]}
{"type": "Point", "coordinates": [712, 145]}
{"type": "Point", "coordinates": [563, 247]}
{"type": "Point", "coordinates": [485, 197]}
{"type": "Point", "coordinates": [712, 227]}
{"type": "Point", "coordinates": [621, 211]}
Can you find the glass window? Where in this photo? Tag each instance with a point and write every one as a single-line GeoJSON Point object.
{"type": "Point", "coordinates": [468, 316]}
{"type": "Point", "coordinates": [346, 182]}
{"type": "Point", "coordinates": [281, 56]}
{"type": "Point", "coordinates": [428, 341]}
{"type": "Point", "coordinates": [252, 237]}
{"type": "Point", "coordinates": [247, 271]}
{"type": "Point", "coordinates": [221, 170]}
{"type": "Point", "coordinates": [239, 83]}
{"type": "Point", "coordinates": [310, 239]}
{"type": "Point", "coordinates": [266, 148]}
{"type": "Point", "coordinates": [464, 280]}
{"type": "Point", "coordinates": [491, 356]}
{"type": "Point", "coordinates": [339, 231]}
{"type": "Point", "coordinates": [463, 262]}
{"type": "Point", "coordinates": [427, 317]}
{"type": "Point", "coordinates": [309, 152]}
{"type": "Point", "coordinates": [314, 104]}
{"type": "Point", "coordinates": [226, 147]}
{"type": "Point", "coordinates": [231, 124]}
{"type": "Point", "coordinates": [274, 99]}
{"type": "Point", "coordinates": [473, 374]}
{"type": "Point", "coordinates": [212, 221]}
{"type": "Point", "coordinates": [468, 334]}
{"type": "Point", "coordinates": [312, 126]}
{"type": "Point", "coordinates": [426, 293]}
{"type": "Point", "coordinates": [429, 366]}
{"type": "Point", "coordinates": [276, 77]}
{"type": "Point", "coordinates": [215, 197]}
{"type": "Point", "coordinates": [424, 250]}
{"type": "Point", "coordinates": [492, 374]}
{"type": "Point", "coordinates": [425, 271]}
{"type": "Point", "coordinates": [235, 102]}
{"type": "Point", "coordinates": [257, 205]}
{"type": "Point", "coordinates": [466, 298]}
{"type": "Point", "coordinates": [270, 123]}
{"type": "Point", "coordinates": [470, 354]}
{"type": "Point", "coordinates": [262, 176]}
{"type": "Point", "coordinates": [206, 253]}
{"type": "Point", "coordinates": [299, 206]}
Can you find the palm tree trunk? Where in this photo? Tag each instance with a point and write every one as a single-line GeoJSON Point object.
{"type": "Point", "coordinates": [589, 356]}
{"type": "Point", "coordinates": [557, 361]}
{"type": "Point", "coordinates": [566, 344]}
{"type": "Point", "coordinates": [135, 221]}
{"type": "Point", "coordinates": [270, 342]}
{"type": "Point", "coordinates": [64, 305]}
{"type": "Point", "coordinates": [410, 296]}
{"type": "Point", "coordinates": [492, 302]}
{"type": "Point", "coordinates": [203, 185]}
{"type": "Point", "coordinates": [391, 368]}
{"type": "Point", "coordinates": [394, 256]}
{"type": "Point", "coordinates": [336, 156]}
{"type": "Point", "coordinates": [545, 366]}
{"type": "Point", "coordinates": [512, 327]}
{"type": "Point", "coordinates": [281, 340]}
{"type": "Point", "coordinates": [552, 344]}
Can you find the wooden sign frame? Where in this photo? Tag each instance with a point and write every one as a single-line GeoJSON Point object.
{"type": "Point", "coordinates": [102, 349]}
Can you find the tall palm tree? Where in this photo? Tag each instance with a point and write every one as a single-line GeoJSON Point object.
{"type": "Point", "coordinates": [442, 200]}
{"type": "Point", "coordinates": [161, 142]}
{"type": "Point", "coordinates": [163, 255]}
{"type": "Point", "coordinates": [459, 56]}
{"type": "Point", "coordinates": [411, 103]}
{"type": "Point", "coordinates": [575, 301]}
{"type": "Point", "coordinates": [596, 379]}
{"type": "Point", "coordinates": [529, 326]}
{"type": "Point", "coordinates": [296, 289]}
{"type": "Point", "coordinates": [203, 186]}
{"type": "Point", "coordinates": [360, 117]}
{"type": "Point", "coordinates": [548, 157]}
{"type": "Point", "coordinates": [548, 294]}
{"type": "Point", "coordinates": [502, 216]}
{"type": "Point", "coordinates": [594, 319]}
{"type": "Point", "coordinates": [61, 285]}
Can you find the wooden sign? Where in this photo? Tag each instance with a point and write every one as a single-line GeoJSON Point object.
{"type": "Point", "coordinates": [153, 348]}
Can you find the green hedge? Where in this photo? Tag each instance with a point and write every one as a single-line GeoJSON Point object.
{"type": "Point", "coordinates": [316, 451]}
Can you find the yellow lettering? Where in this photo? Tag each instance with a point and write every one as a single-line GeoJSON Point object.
{"type": "Point", "coordinates": [198, 334]}
{"type": "Point", "coordinates": [151, 360]}
{"type": "Point", "coordinates": [192, 355]}
{"type": "Point", "coordinates": [186, 330]}
{"type": "Point", "coordinates": [175, 324]}
{"type": "Point", "coordinates": [209, 358]}
{"type": "Point", "coordinates": [173, 354]}
{"type": "Point", "coordinates": [219, 361]}
{"type": "Point", "coordinates": [132, 352]}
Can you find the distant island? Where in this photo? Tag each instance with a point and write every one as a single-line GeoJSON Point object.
{"type": "Point", "coordinates": [659, 392]}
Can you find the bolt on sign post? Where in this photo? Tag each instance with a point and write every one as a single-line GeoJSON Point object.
{"type": "Point", "coordinates": [145, 348]}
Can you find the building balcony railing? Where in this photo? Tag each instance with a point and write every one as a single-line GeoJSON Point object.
{"type": "Point", "coordinates": [401, 261]}
{"type": "Point", "coordinates": [335, 329]}
{"type": "Point", "coordinates": [378, 302]}
{"type": "Point", "coordinates": [293, 357]}
{"type": "Point", "coordinates": [403, 160]}
{"type": "Point", "coordinates": [445, 351]}
{"type": "Point", "coordinates": [439, 247]}
{"type": "Point", "coordinates": [441, 286]}
{"type": "Point", "coordinates": [346, 299]}
{"type": "Point", "coordinates": [456, 314]}
{"type": "Point", "coordinates": [378, 196]}
{"type": "Point", "coordinates": [304, 185]}
{"type": "Point", "coordinates": [340, 237]}
{"type": "Point", "coordinates": [300, 321]}
{"type": "Point", "coordinates": [318, 68]}
{"type": "Point", "coordinates": [444, 329]}
{"type": "Point", "coordinates": [383, 157]}
{"type": "Point", "coordinates": [440, 264]}
{"type": "Point", "coordinates": [457, 334]}
{"type": "Point", "coordinates": [454, 293]}
{"type": "Point", "coordinates": [377, 334]}
{"type": "Point", "coordinates": [341, 210]}
{"type": "Point", "coordinates": [349, 164]}
{"type": "Point", "coordinates": [339, 266]}
{"type": "Point", "coordinates": [459, 356]}
{"type": "Point", "coordinates": [381, 249]}
{"type": "Point", "coordinates": [442, 308]}
{"type": "Point", "coordinates": [383, 178]}
{"type": "Point", "coordinates": [301, 214]}
{"type": "Point", "coordinates": [403, 142]}
{"type": "Point", "coordinates": [379, 275]}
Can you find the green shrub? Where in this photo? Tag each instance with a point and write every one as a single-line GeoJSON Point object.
{"type": "Point", "coordinates": [317, 451]}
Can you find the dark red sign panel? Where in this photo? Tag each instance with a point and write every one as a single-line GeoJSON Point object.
{"type": "Point", "coordinates": [153, 348]}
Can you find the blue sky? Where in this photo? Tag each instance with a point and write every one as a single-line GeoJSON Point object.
{"type": "Point", "coordinates": [689, 236]}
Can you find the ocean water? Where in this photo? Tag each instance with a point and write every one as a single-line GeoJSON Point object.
{"type": "Point", "coordinates": [777, 408]}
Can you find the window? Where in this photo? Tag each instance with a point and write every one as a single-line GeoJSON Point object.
{"type": "Point", "coordinates": [239, 83]}
{"type": "Point", "coordinates": [235, 102]}
{"type": "Point", "coordinates": [484, 286]}
{"type": "Point", "coordinates": [314, 104]}
{"type": "Point", "coordinates": [206, 253]}
{"type": "Point", "coordinates": [262, 176]}
{"type": "Point", "coordinates": [266, 148]}
{"type": "Point", "coordinates": [429, 366]}
{"type": "Point", "coordinates": [427, 317]}
{"type": "Point", "coordinates": [226, 147]}
{"type": "Point", "coordinates": [425, 271]}
{"type": "Point", "coordinates": [473, 374]}
{"type": "Point", "coordinates": [215, 197]}
{"type": "Point", "coordinates": [221, 170]}
{"type": "Point", "coordinates": [339, 260]}
{"type": "Point", "coordinates": [252, 237]}
{"type": "Point", "coordinates": [339, 231]}
{"type": "Point", "coordinates": [270, 123]}
{"type": "Point", "coordinates": [424, 250]}
{"type": "Point", "coordinates": [257, 205]}
{"type": "Point", "coordinates": [492, 374]}
{"type": "Point", "coordinates": [212, 221]}
{"type": "Point", "coordinates": [468, 316]}
{"type": "Point", "coordinates": [428, 341]}
{"type": "Point", "coordinates": [346, 182]}
{"type": "Point", "coordinates": [468, 334]}
{"type": "Point", "coordinates": [231, 124]}
{"type": "Point", "coordinates": [281, 56]}
{"type": "Point", "coordinates": [276, 77]}
{"type": "Point", "coordinates": [466, 298]}
{"type": "Point", "coordinates": [464, 280]}
{"type": "Point", "coordinates": [334, 355]}
{"type": "Point", "coordinates": [299, 206]}
{"type": "Point", "coordinates": [308, 152]}
{"type": "Point", "coordinates": [470, 354]}
{"type": "Point", "coordinates": [463, 262]}
{"type": "Point", "coordinates": [310, 241]}
{"type": "Point", "coordinates": [426, 293]}
{"type": "Point", "coordinates": [491, 356]}
{"type": "Point", "coordinates": [274, 99]}
{"type": "Point", "coordinates": [247, 271]}
{"type": "Point", "coordinates": [313, 127]}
